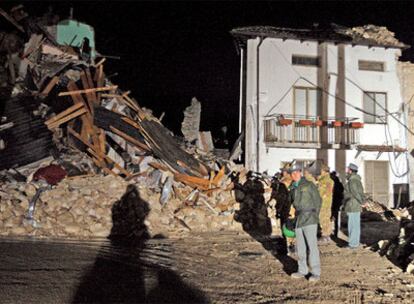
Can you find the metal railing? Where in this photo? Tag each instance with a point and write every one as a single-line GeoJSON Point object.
{"type": "Point", "coordinates": [289, 129]}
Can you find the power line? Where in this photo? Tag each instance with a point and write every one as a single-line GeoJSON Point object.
{"type": "Point", "coordinates": [339, 98]}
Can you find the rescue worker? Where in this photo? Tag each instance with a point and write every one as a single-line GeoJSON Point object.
{"type": "Point", "coordinates": [286, 179]}
{"type": "Point", "coordinates": [337, 198]}
{"type": "Point", "coordinates": [309, 173]}
{"type": "Point", "coordinates": [353, 200]}
{"type": "Point", "coordinates": [284, 208]}
{"type": "Point", "coordinates": [325, 187]}
{"type": "Point", "coordinates": [307, 203]}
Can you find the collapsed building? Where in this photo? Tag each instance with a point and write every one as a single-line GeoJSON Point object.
{"type": "Point", "coordinates": [79, 157]}
{"type": "Point", "coordinates": [75, 143]}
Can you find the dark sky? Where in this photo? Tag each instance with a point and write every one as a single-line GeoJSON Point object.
{"type": "Point", "coordinates": [172, 51]}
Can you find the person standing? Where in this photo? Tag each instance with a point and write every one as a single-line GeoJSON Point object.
{"type": "Point", "coordinates": [307, 203]}
{"type": "Point", "coordinates": [325, 186]}
{"type": "Point", "coordinates": [289, 210]}
{"type": "Point", "coordinates": [337, 198]}
{"type": "Point", "coordinates": [353, 201]}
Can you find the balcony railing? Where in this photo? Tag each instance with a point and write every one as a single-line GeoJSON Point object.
{"type": "Point", "coordinates": [311, 132]}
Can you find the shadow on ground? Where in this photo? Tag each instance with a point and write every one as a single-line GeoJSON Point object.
{"type": "Point", "coordinates": [255, 221]}
{"type": "Point", "coordinates": [120, 275]}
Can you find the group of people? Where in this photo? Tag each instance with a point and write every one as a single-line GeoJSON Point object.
{"type": "Point", "coordinates": [312, 204]}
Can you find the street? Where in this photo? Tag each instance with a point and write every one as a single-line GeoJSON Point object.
{"type": "Point", "coordinates": [201, 268]}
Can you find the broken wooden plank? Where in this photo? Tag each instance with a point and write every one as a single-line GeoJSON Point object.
{"type": "Point", "coordinates": [218, 178]}
{"type": "Point", "coordinates": [98, 154]}
{"type": "Point", "coordinates": [102, 140]}
{"type": "Point", "coordinates": [71, 116]}
{"type": "Point", "coordinates": [89, 78]}
{"type": "Point", "coordinates": [64, 113]}
{"type": "Point", "coordinates": [50, 86]}
{"type": "Point", "coordinates": [86, 86]}
{"type": "Point", "coordinates": [87, 120]}
{"type": "Point", "coordinates": [104, 157]}
{"type": "Point", "coordinates": [100, 89]}
{"type": "Point", "coordinates": [100, 62]}
{"type": "Point", "coordinates": [192, 180]}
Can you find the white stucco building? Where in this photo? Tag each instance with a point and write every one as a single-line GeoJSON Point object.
{"type": "Point", "coordinates": [328, 96]}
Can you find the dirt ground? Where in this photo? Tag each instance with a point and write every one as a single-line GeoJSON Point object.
{"type": "Point", "coordinates": [201, 268]}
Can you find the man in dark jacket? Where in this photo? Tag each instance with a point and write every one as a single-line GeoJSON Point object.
{"type": "Point", "coordinates": [353, 200]}
{"type": "Point", "coordinates": [337, 198]}
{"type": "Point", "coordinates": [307, 203]}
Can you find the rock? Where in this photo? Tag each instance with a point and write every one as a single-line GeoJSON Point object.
{"type": "Point", "coordinates": [65, 218]}
{"type": "Point", "coordinates": [98, 230]}
{"type": "Point", "coordinates": [73, 229]}
{"type": "Point", "coordinates": [30, 190]}
{"type": "Point", "coordinates": [18, 231]}
{"type": "Point", "coordinates": [383, 244]}
{"type": "Point", "coordinates": [410, 268]}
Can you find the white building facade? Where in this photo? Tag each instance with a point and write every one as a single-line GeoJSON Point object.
{"type": "Point", "coordinates": [329, 100]}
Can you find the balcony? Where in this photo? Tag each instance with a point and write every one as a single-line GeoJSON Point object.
{"type": "Point", "coordinates": [288, 131]}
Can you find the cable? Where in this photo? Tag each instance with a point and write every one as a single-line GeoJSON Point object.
{"type": "Point", "coordinates": [320, 88]}
{"type": "Point", "coordinates": [356, 108]}
{"type": "Point", "coordinates": [283, 97]}
{"type": "Point", "coordinates": [340, 99]}
{"type": "Point", "coordinates": [378, 104]}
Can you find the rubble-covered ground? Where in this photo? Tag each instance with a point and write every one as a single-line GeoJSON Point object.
{"type": "Point", "coordinates": [221, 267]}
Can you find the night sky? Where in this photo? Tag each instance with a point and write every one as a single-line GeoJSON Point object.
{"type": "Point", "coordinates": [172, 51]}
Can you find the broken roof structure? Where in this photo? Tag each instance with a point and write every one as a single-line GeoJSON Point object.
{"type": "Point", "coordinates": [369, 35]}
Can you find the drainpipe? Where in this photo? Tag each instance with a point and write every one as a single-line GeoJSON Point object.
{"type": "Point", "coordinates": [258, 105]}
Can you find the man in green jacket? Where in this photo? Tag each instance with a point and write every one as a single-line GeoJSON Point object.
{"type": "Point", "coordinates": [353, 200]}
{"type": "Point", "coordinates": [307, 203]}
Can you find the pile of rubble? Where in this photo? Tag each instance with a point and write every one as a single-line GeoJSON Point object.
{"type": "Point", "coordinates": [85, 206]}
{"type": "Point", "coordinates": [108, 149]}
{"type": "Point", "coordinates": [401, 249]}
{"type": "Point", "coordinates": [377, 34]}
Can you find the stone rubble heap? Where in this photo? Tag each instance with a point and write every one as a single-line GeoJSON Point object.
{"type": "Point", "coordinates": [401, 249]}
{"type": "Point", "coordinates": [86, 206]}
{"type": "Point", "coordinates": [378, 34]}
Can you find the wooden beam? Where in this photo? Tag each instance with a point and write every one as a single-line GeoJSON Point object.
{"type": "Point", "coordinates": [100, 62]}
{"type": "Point", "coordinates": [110, 160]}
{"type": "Point", "coordinates": [218, 178]}
{"type": "Point", "coordinates": [86, 86]}
{"type": "Point", "coordinates": [64, 113]}
{"type": "Point", "coordinates": [200, 182]}
{"type": "Point", "coordinates": [87, 120]}
{"type": "Point", "coordinates": [102, 140]}
{"type": "Point", "coordinates": [98, 154]}
{"type": "Point", "coordinates": [71, 116]}
{"type": "Point", "coordinates": [50, 86]}
{"type": "Point", "coordinates": [101, 89]}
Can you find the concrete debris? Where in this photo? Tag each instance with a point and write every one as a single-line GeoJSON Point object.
{"type": "Point", "coordinates": [400, 250]}
{"type": "Point", "coordinates": [376, 211]}
{"type": "Point", "coordinates": [191, 123]}
{"type": "Point", "coordinates": [83, 207]}
{"type": "Point", "coordinates": [377, 34]}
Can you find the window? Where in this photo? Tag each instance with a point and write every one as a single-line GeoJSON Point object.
{"type": "Point", "coordinates": [305, 102]}
{"type": "Point", "coordinates": [305, 60]}
{"type": "Point", "coordinates": [367, 65]}
{"type": "Point", "coordinates": [375, 103]}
